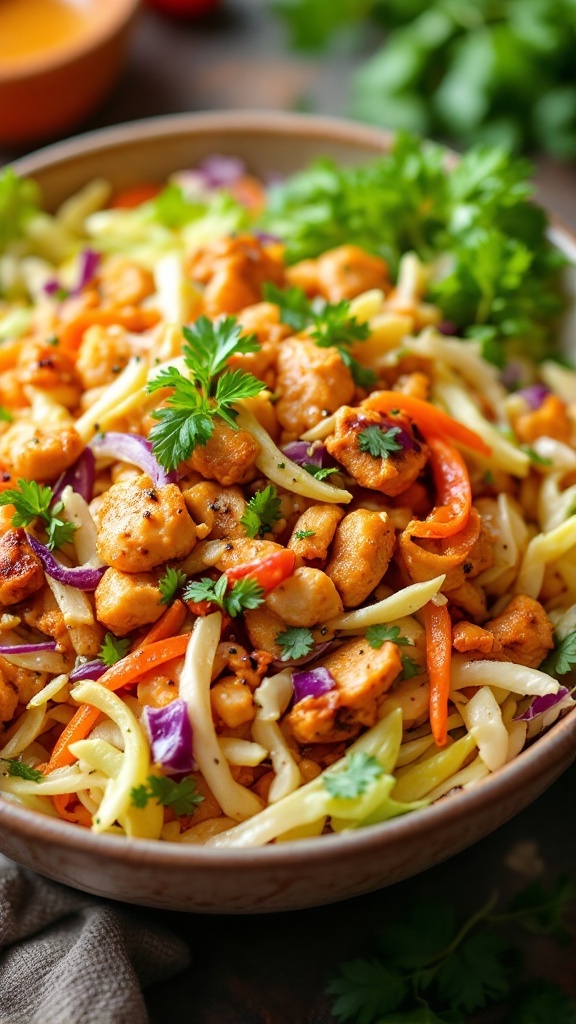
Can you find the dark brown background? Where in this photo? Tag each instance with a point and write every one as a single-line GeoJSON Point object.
{"type": "Point", "coordinates": [273, 969]}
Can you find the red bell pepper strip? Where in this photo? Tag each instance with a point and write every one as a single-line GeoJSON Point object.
{"type": "Point", "coordinates": [438, 627]}
{"type": "Point", "coordinates": [268, 571]}
{"type": "Point", "coordinates": [453, 493]}
{"type": "Point", "coordinates": [430, 420]}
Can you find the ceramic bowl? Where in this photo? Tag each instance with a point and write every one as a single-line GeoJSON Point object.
{"type": "Point", "coordinates": [312, 871]}
{"type": "Point", "coordinates": [50, 91]}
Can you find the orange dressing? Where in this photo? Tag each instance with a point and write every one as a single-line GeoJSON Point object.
{"type": "Point", "coordinates": [29, 27]}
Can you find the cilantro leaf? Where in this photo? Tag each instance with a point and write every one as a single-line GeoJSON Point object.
{"type": "Point", "coordinates": [302, 534]}
{"type": "Point", "coordinates": [170, 583]}
{"type": "Point", "coordinates": [335, 326]}
{"type": "Point", "coordinates": [295, 642]}
{"type": "Point", "coordinates": [355, 778]}
{"type": "Point", "coordinates": [188, 418]}
{"type": "Point", "coordinates": [379, 443]}
{"type": "Point", "coordinates": [20, 770]}
{"type": "Point", "coordinates": [243, 595]}
{"type": "Point", "coordinates": [363, 376]}
{"type": "Point", "coordinates": [113, 649]}
{"type": "Point", "coordinates": [563, 658]}
{"type": "Point", "coordinates": [182, 796]}
{"type": "Point", "coordinates": [364, 990]}
{"type": "Point", "coordinates": [477, 972]}
{"type": "Point", "coordinates": [377, 635]}
{"type": "Point", "coordinates": [410, 668]}
{"type": "Point", "coordinates": [262, 511]}
{"type": "Point", "coordinates": [33, 501]}
{"type": "Point", "coordinates": [541, 1002]}
{"type": "Point", "coordinates": [173, 209]}
{"type": "Point", "coordinates": [294, 306]}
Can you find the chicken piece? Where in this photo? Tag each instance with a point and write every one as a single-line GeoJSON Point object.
{"type": "Point", "coordinates": [550, 420]}
{"type": "Point", "coordinates": [340, 273]}
{"type": "Point", "coordinates": [232, 702]}
{"type": "Point", "coordinates": [363, 675]}
{"type": "Point", "coordinates": [361, 553]}
{"type": "Point", "coordinates": [392, 474]}
{"type": "Point", "coordinates": [263, 320]}
{"type": "Point", "coordinates": [103, 353]}
{"type": "Point", "coordinates": [8, 698]}
{"type": "Point", "coordinates": [228, 456]}
{"type": "Point", "coordinates": [307, 598]}
{"type": "Point", "coordinates": [47, 367]}
{"type": "Point", "coordinates": [38, 454]}
{"type": "Point", "coordinates": [141, 526]}
{"type": "Point", "coordinates": [263, 627]}
{"type": "Point", "coordinates": [234, 270]}
{"type": "Point", "coordinates": [219, 509]}
{"type": "Point", "coordinates": [126, 601]}
{"type": "Point", "coordinates": [234, 657]}
{"type": "Point", "coordinates": [123, 283]}
{"type": "Point", "coordinates": [21, 571]}
{"type": "Point", "coordinates": [468, 637]}
{"type": "Point", "coordinates": [524, 631]}
{"type": "Point", "coordinates": [416, 384]}
{"type": "Point", "coordinates": [25, 683]}
{"type": "Point", "coordinates": [321, 522]}
{"type": "Point", "coordinates": [312, 383]}
{"type": "Point", "coordinates": [242, 550]}
{"type": "Point", "coordinates": [44, 614]}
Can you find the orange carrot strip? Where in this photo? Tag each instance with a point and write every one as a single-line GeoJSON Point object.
{"type": "Point", "coordinates": [438, 626]}
{"type": "Point", "coordinates": [135, 196]}
{"type": "Point", "coordinates": [121, 674]}
{"type": "Point", "coordinates": [453, 493]}
{"type": "Point", "coordinates": [167, 625]}
{"type": "Point", "coordinates": [80, 815]}
{"type": "Point", "coordinates": [427, 417]}
{"type": "Point", "coordinates": [137, 320]}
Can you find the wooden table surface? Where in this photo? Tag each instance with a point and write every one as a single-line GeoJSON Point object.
{"type": "Point", "coordinates": [273, 969]}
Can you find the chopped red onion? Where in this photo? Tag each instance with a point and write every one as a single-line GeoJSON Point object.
{"type": "Point", "coordinates": [534, 395]}
{"type": "Point", "coordinates": [512, 374]}
{"type": "Point", "coordinates": [52, 287]}
{"type": "Point", "coordinates": [541, 704]}
{"type": "Point", "coordinates": [135, 449]}
{"type": "Point", "coordinates": [266, 238]}
{"type": "Point", "coordinates": [83, 577]}
{"type": "Point", "coordinates": [448, 327]}
{"type": "Point", "coordinates": [80, 477]}
{"type": "Point", "coordinates": [220, 171]}
{"type": "Point", "coordinates": [89, 670]}
{"type": "Point", "coordinates": [312, 683]}
{"type": "Point", "coordinates": [308, 453]}
{"type": "Point", "coordinates": [49, 645]}
{"type": "Point", "coordinates": [170, 735]}
{"type": "Point", "coordinates": [89, 261]}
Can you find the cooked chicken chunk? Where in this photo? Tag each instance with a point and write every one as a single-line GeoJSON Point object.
{"type": "Point", "coordinates": [38, 454]}
{"type": "Point", "coordinates": [361, 552]}
{"type": "Point", "coordinates": [227, 457]}
{"type": "Point", "coordinates": [21, 571]}
{"type": "Point", "coordinates": [126, 601]}
{"type": "Point", "coordinates": [312, 383]}
{"type": "Point", "coordinates": [524, 630]}
{"type": "Point", "coordinates": [320, 521]}
{"type": "Point", "coordinates": [307, 598]}
{"type": "Point", "coordinates": [141, 526]}
{"type": "Point", "coordinates": [391, 473]}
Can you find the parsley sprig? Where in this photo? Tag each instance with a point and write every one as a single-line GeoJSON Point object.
{"type": "Point", "coordinates": [431, 969]}
{"type": "Point", "coordinates": [182, 797]}
{"type": "Point", "coordinates": [331, 326]}
{"type": "Point", "coordinates": [380, 633]}
{"type": "Point", "coordinates": [379, 443]}
{"type": "Point", "coordinates": [262, 511]}
{"type": "Point", "coordinates": [36, 501]}
{"type": "Point", "coordinates": [188, 418]}
{"type": "Point", "coordinates": [563, 658]}
{"type": "Point", "coordinates": [170, 583]}
{"type": "Point", "coordinates": [113, 649]}
{"type": "Point", "coordinates": [244, 595]}
{"type": "Point", "coordinates": [295, 642]}
{"type": "Point", "coordinates": [359, 773]}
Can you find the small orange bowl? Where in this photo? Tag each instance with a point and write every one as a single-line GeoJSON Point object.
{"type": "Point", "coordinates": [58, 60]}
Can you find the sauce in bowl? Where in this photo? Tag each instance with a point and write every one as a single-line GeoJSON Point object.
{"type": "Point", "coordinates": [30, 27]}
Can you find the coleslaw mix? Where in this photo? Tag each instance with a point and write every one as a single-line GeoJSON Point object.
{"type": "Point", "coordinates": [288, 496]}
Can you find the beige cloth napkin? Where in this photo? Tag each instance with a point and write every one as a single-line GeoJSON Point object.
{"type": "Point", "coordinates": [69, 958]}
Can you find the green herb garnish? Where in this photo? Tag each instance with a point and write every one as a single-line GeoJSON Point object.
{"type": "Point", "coordinates": [379, 443]}
{"type": "Point", "coordinates": [113, 649]}
{"type": "Point", "coordinates": [360, 771]}
{"type": "Point", "coordinates": [182, 797]}
{"type": "Point", "coordinates": [34, 501]}
{"type": "Point", "coordinates": [295, 642]}
{"type": "Point", "coordinates": [244, 595]}
{"type": "Point", "coordinates": [262, 511]}
{"type": "Point", "coordinates": [170, 583]}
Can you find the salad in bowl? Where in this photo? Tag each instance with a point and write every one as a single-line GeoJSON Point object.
{"type": "Point", "coordinates": [288, 495]}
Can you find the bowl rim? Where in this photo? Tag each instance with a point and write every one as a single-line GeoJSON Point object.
{"type": "Point", "coordinates": [92, 34]}
{"type": "Point", "coordinates": [556, 746]}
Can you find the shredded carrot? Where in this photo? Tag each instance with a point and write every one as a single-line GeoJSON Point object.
{"type": "Point", "coordinates": [132, 319]}
{"type": "Point", "coordinates": [428, 418]}
{"type": "Point", "coordinates": [438, 626]}
{"type": "Point", "coordinates": [169, 624]}
{"type": "Point", "coordinates": [79, 814]}
{"type": "Point", "coordinates": [453, 493]}
{"type": "Point", "coordinates": [124, 672]}
{"type": "Point", "coordinates": [135, 196]}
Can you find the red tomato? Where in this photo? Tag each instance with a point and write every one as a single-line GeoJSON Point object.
{"type": "Point", "coordinates": [184, 8]}
{"type": "Point", "coordinates": [268, 571]}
